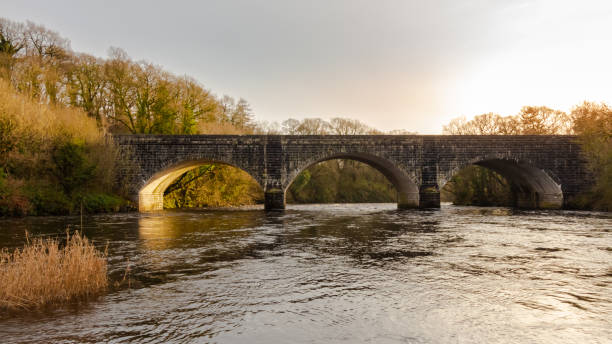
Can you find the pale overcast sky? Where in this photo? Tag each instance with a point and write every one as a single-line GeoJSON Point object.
{"type": "Point", "coordinates": [392, 64]}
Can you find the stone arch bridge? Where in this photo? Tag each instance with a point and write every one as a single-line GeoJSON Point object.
{"type": "Point", "coordinates": [545, 171]}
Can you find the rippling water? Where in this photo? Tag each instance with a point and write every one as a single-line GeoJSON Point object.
{"type": "Point", "coordinates": [338, 273]}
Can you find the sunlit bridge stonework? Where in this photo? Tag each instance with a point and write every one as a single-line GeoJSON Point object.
{"type": "Point", "coordinates": [545, 171]}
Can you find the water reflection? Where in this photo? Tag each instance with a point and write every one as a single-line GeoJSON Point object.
{"type": "Point", "coordinates": [368, 272]}
{"type": "Point", "coordinates": [191, 229]}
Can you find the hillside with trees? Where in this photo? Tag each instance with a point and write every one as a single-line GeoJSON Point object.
{"type": "Point", "coordinates": [57, 107]}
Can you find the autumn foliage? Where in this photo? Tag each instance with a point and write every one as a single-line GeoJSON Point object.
{"type": "Point", "coordinates": [57, 107]}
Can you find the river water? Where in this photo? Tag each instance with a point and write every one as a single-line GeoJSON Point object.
{"type": "Point", "coordinates": [358, 273]}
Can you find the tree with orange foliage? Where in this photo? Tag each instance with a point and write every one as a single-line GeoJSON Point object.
{"type": "Point", "coordinates": [541, 120]}
{"type": "Point", "coordinates": [592, 122]}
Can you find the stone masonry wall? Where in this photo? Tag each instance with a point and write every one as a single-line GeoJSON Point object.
{"type": "Point", "coordinates": [419, 165]}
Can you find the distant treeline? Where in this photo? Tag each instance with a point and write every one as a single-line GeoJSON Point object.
{"type": "Point", "coordinates": [57, 105]}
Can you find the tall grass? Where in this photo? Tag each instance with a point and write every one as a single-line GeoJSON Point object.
{"type": "Point", "coordinates": [46, 272]}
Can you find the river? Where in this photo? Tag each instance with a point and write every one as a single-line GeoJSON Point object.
{"type": "Point", "coordinates": [348, 273]}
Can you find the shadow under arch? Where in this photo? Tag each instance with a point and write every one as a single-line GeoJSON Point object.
{"type": "Point", "coordinates": [533, 188]}
{"type": "Point", "coordinates": [407, 189]}
{"type": "Point", "coordinates": [151, 194]}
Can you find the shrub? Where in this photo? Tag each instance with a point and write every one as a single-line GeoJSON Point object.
{"type": "Point", "coordinates": [101, 203]}
{"type": "Point", "coordinates": [48, 200]}
{"type": "Point", "coordinates": [71, 166]}
{"type": "Point", "coordinates": [12, 201]}
{"type": "Point", "coordinates": [42, 273]}
{"type": "Point", "coordinates": [593, 124]}
{"type": "Point", "coordinates": [8, 141]}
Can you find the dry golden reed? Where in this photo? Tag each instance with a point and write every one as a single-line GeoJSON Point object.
{"type": "Point", "coordinates": [43, 273]}
{"type": "Point", "coordinates": [45, 122]}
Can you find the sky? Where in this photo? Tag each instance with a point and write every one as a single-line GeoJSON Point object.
{"type": "Point", "coordinates": [392, 64]}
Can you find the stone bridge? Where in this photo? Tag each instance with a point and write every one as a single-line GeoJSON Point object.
{"type": "Point", "coordinates": [545, 171]}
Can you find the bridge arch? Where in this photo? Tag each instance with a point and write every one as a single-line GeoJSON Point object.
{"type": "Point", "coordinates": [151, 193]}
{"type": "Point", "coordinates": [533, 187]}
{"type": "Point", "coordinates": [407, 189]}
